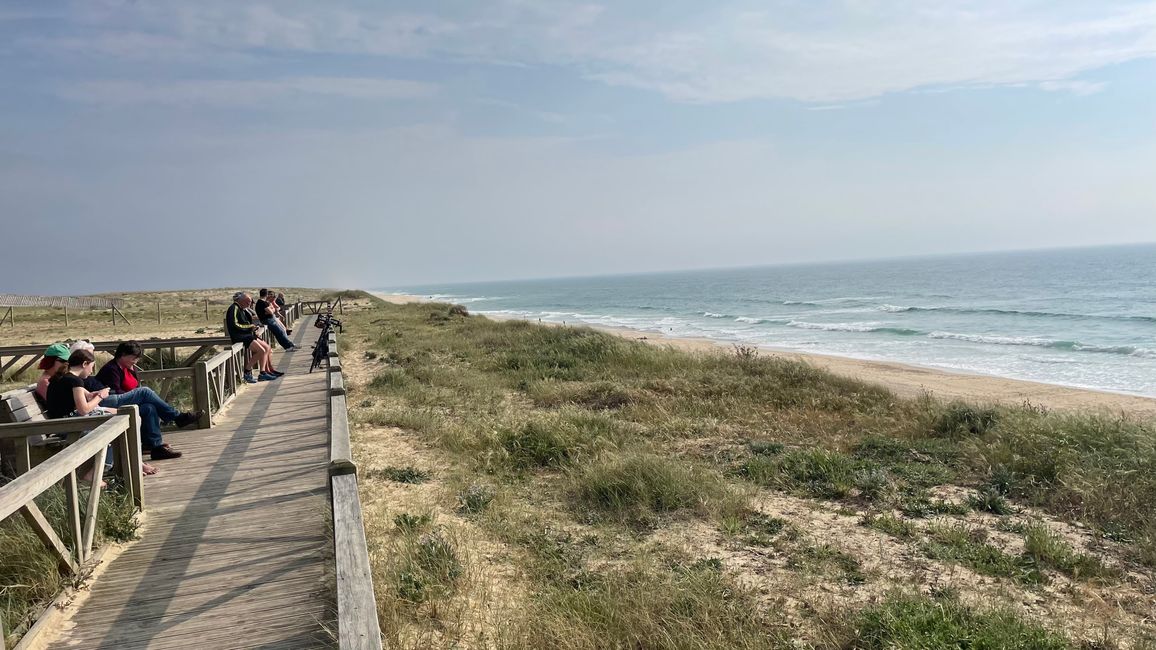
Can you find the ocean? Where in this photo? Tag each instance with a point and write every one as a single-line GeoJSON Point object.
{"type": "Point", "coordinates": [1074, 317]}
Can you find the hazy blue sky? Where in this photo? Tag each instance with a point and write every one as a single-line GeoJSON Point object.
{"type": "Point", "coordinates": [179, 143]}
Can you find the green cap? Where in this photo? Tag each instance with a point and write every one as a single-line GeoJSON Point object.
{"type": "Point", "coordinates": [58, 350]}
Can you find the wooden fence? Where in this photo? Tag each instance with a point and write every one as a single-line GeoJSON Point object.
{"type": "Point", "coordinates": [357, 626]}
{"type": "Point", "coordinates": [74, 550]}
{"type": "Point", "coordinates": [16, 359]}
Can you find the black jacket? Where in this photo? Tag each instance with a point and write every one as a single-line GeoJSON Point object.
{"type": "Point", "coordinates": [239, 324]}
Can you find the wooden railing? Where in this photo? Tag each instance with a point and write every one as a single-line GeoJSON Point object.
{"type": "Point", "coordinates": [75, 548]}
{"type": "Point", "coordinates": [357, 625]}
{"type": "Point", "coordinates": [216, 381]}
{"type": "Point", "coordinates": [16, 359]}
{"type": "Point", "coordinates": [19, 358]}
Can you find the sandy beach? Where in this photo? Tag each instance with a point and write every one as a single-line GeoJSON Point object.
{"type": "Point", "coordinates": [910, 381]}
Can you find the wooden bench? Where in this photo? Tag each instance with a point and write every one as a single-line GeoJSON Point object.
{"type": "Point", "coordinates": [22, 407]}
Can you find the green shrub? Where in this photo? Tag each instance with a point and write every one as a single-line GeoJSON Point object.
{"type": "Point", "coordinates": [988, 500]}
{"type": "Point", "coordinates": [1050, 550]}
{"type": "Point", "coordinates": [924, 623]}
{"type": "Point", "coordinates": [765, 447]}
{"type": "Point", "coordinates": [636, 485]}
{"type": "Point", "coordinates": [475, 498]}
{"type": "Point", "coordinates": [818, 472]}
{"type": "Point", "coordinates": [696, 607]}
{"type": "Point", "coordinates": [557, 439]}
{"type": "Point", "coordinates": [408, 474]}
{"type": "Point", "coordinates": [890, 524]}
{"type": "Point", "coordinates": [407, 523]}
{"type": "Point", "coordinates": [960, 420]}
{"type": "Point", "coordinates": [968, 546]}
{"type": "Point", "coordinates": [429, 568]}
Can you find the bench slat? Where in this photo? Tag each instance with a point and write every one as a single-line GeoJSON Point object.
{"type": "Point", "coordinates": [28, 399]}
{"type": "Point", "coordinates": [19, 415]}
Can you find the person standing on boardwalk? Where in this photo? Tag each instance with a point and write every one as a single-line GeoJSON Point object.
{"type": "Point", "coordinates": [241, 328]}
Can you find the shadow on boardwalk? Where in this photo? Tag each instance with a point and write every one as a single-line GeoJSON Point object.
{"type": "Point", "coordinates": [237, 542]}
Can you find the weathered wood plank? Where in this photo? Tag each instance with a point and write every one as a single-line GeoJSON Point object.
{"type": "Point", "coordinates": [93, 504]}
{"type": "Point", "coordinates": [49, 427]}
{"type": "Point", "coordinates": [24, 488]}
{"type": "Point", "coordinates": [356, 607]}
{"type": "Point", "coordinates": [51, 540]}
{"type": "Point", "coordinates": [239, 531]}
{"type": "Point", "coordinates": [72, 502]}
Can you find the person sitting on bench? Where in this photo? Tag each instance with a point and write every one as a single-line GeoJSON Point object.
{"type": "Point", "coordinates": [280, 302]}
{"type": "Point", "coordinates": [267, 313]}
{"type": "Point", "coordinates": [55, 359]}
{"type": "Point", "coordinates": [68, 398]}
{"type": "Point", "coordinates": [239, 323]}
{"type": "Point", "coordinates": [120, 377]}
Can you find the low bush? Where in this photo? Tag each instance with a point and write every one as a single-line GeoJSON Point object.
{"type": "Point", "coordinates": [919, 622]}
{"type": "Point", "coordinates": [637, 485]}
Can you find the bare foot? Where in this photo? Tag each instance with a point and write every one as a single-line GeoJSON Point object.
{"type": "Point", "coordinates": [88, 478]}
{"type": "Point", "coordinates": [147, 470]}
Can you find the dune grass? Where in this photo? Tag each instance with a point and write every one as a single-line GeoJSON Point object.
{"type": "Point", "coordinates": [625, 435]}
{"type": "Point", "coordinates": [29, 578]}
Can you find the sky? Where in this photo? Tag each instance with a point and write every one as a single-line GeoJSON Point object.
{"type": "Point", "coordinates": [162, 144]}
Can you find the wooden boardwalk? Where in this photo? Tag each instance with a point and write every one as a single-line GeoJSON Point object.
{"type": "Point", "coordinates": [236, 551]}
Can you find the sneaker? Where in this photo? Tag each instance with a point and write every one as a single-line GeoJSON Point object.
{"type": "Point", "coordinates": [164, 452]}
{"type": "Point", "coordinates": [266, 377]}
{"type": "Point", "coordinates": [188, 417]}
{"type": "Point", "coordinates": [277, 372]}
{"type": "Point", "coordinates": [249, 378]}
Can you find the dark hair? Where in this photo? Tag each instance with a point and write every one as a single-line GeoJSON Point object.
{"type": "Point", "coordinates": [127, 348]}
{"type": "Point", "coordinates": [77, 358]}
{"type": "Point", "coordinates": [263, 292]}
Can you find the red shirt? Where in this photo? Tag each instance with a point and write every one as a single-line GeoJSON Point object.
{"type": "Point", "coordinates": [129, 382]}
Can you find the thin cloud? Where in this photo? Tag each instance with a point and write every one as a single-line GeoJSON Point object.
{"type": "Point", "coordinates": [1074, 86]}
{"type": "Point", "coordinates": [239, 93]}
{"type": "Point", "coordinates": [821, 52]}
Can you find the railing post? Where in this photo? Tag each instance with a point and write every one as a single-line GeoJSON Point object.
{"type": "Point", "coordinates": [134, 453]}
{"type": "Point", "coordinates": [201, 394]}
{"type": "Point", "coordinates": [72, 499]}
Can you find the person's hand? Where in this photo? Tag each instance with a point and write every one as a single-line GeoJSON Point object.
{"type": "Point", "coordinates": [103, 392]}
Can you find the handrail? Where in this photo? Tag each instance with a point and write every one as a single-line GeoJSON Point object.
{"type": "Point", "coordinates": [123, 432]}
{"type": "Point", "coordinates": [357, 625]}
{"type": "Point", "coordinates": [216, 381]}
{"type": "Point", "coordinates": [12, 355]}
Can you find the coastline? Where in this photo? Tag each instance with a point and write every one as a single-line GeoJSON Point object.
{"type": "Point", "coordinates": [909, 380]}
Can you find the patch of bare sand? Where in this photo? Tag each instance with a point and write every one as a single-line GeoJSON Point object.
{"type": "Point", "coordinates": [398, 298]}
{"type": "Point", "coordinates": [814, 600]}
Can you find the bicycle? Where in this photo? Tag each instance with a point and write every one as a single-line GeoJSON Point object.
{"type": "Point", "coordinates": [321, 349]}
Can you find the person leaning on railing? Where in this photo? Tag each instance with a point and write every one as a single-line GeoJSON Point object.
{"type": "Point", "coordinates": [241, 328]}
{"type": "Point", "coordinates": [120, 376]}
{"type": "Point", "coordinates": [280, 302]}
{"type": "Point", "coordinates": [267, 313]}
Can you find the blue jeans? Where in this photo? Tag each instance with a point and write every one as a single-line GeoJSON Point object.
{"type": "Point", "coordinates": [153, 411]}
{"type": "Point", "coordinates": [274, 326]}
